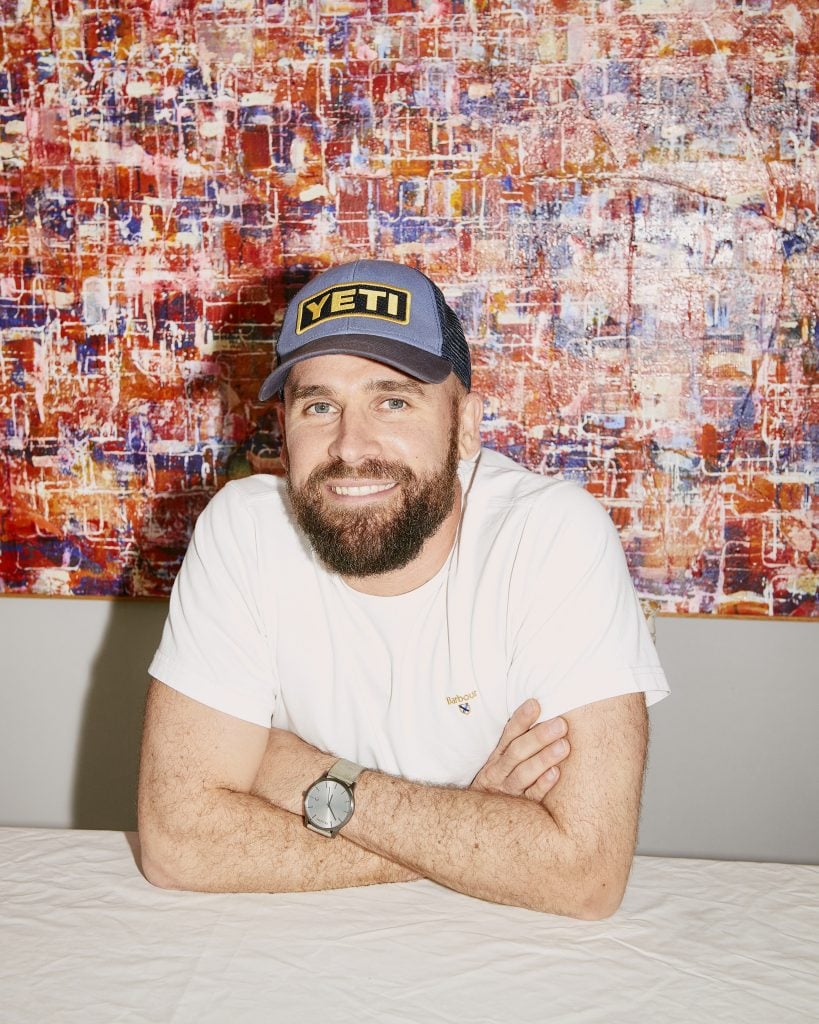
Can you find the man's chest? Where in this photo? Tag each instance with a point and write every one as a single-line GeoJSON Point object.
{"type": "Point", "coordinates": [421, 695]}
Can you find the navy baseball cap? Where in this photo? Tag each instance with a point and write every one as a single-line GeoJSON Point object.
{"type": "Point", "coordinates": [376, 309]}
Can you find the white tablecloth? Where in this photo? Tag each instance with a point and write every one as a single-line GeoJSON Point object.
{"type": "Point", "coordinates": [84, 938]}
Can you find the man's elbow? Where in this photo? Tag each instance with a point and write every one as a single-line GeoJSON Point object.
{"type": "Point", "coordinates": [169, 860]}
{"type": "Point", "coordinates": [588, 891]}
{"type": "Point", "coordinates": [585, 905]}
{"type": "Point", "coordinates": [157, 873]}
{"type": "Point", "coordinates": [594, 905]}
{"type": "Point", "coordinates": [158, 867]}
{"type": "Point", "coordinates": [600, 901]}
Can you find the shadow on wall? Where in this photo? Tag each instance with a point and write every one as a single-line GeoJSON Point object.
{"type": "Point", "coordinates": [105, 780]}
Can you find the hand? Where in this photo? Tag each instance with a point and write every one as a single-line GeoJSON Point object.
{"type": "Point", "coordinates": [525, 761]}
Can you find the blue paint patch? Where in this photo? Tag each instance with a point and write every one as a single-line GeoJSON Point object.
{"type": "Point", "coordinates": [743, 413]}
{"type": "Point", "coordinates": [56, 211]}
{"type": "Point", "coordinates": [793, 244]}
{"type": "Point", "coordinates": [28, 312]}
{"type": "Point", "coordinates": [45, 65]}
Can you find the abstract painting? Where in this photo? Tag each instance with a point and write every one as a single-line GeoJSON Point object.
{"type": "Point", "coordinates": [618, 197]}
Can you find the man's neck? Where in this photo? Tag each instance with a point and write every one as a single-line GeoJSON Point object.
{"type": "Point", "coordinates": [421, 569]}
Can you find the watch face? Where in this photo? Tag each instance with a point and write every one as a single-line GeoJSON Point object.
{"type": "Point", "coordinates": [328, 804]}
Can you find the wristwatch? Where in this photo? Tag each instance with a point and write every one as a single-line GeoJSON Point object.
{"type": "Point", "coordinates": [329, 803]}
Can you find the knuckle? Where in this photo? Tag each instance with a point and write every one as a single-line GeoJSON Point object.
{"type": "Point", "coordinates": [536, 792]}
{"type": "Point", "coordinates": [495, 780]}
{"type": "Point", "coordinates": [543, 760]}
{"type": "Point", "coordinates": [552, 730]}
{"type": "Point", "coordinates": [509, 733]}
{"type": "Point", "coordinates": [516, 725]}
{"type": "Point", "coordinates": [549, 759]}
{"type": "Point", "coordinates": [509, 755]}
{"type": "Point", "coordinates": [526, 776]}
{"type": "Point", "coordinates": [523, 747]}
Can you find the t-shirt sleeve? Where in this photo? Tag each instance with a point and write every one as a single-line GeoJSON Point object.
{"type": "Point", "coordinates": [579, 633]}
{"type": "Point", "coordinates": [214, 646]}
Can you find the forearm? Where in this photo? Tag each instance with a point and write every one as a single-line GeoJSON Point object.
{"type": "Point", "coordinates": [571, 856]}
{"type": "Point", "coordinates": [238, 842]}
{"type": "Point", "coordinates": [498, 848]}
{"type": "Point", "coordinates": [495, 847]}
{"type": "Point", "coordinates": [228, 841]}
{"type": "Point", "coordinates": [220, 809]}
{"type": "Point", "coordinates": [203, 823]}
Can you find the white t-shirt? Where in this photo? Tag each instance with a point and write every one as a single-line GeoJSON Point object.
{"type": "Point", "coordinates": [535, 600]}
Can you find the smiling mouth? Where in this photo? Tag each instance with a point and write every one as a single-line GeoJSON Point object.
{"type": "Point", "coordinates": [361, 490]}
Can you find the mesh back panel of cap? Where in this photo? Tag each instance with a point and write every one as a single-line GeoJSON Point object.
{"type": "Point", "coordinates": [454, 347]}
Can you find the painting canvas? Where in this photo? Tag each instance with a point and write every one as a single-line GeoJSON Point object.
{"type": "Point", "coordinates": [619, 198]}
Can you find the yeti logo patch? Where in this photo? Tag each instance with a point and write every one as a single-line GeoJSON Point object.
{"type": "Point", "coordinates": [379, 301]}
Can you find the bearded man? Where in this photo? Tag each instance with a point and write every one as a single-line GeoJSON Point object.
{"type": "Point", "coordinates": [391, 648]}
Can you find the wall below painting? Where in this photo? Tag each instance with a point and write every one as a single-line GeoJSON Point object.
{"type": "Point", "coordinates": [732, 770]}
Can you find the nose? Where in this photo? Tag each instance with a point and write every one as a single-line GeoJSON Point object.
{"type": "Point", "coordinates": [355, 438]}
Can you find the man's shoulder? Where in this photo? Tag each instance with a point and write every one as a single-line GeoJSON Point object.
{"type": "Point", "coordinates": [502, 496]}
{"type": "Point", "coordinates": [253, 514]}
{"type": "Point", "coordinates": [261, 494]}
{"type": "Point", "coordinates": [259, 487]}
{"type": "Point", "coordinates": [498, 480]}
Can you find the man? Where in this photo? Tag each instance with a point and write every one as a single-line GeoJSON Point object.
{"type": "Point", "coordinates": [348, 656]}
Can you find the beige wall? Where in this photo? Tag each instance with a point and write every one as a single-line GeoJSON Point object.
{"type": "Point", "coordinates": [732, 771]}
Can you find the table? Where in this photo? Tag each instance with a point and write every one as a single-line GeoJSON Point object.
{"type": "Point", "coordinates": [84, 938]}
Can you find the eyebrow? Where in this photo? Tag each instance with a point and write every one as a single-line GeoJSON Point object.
{"type": "Point", "coordinates": [297, 393]}
{"type": "Point", "coordinates": [410, 387]}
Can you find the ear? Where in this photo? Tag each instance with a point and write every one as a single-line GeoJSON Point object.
{"type": "Point", "coordinates": [469, 434]}
{"type": "Point", "coordinates": [280, 416]}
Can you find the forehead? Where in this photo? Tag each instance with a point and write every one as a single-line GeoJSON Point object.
{"type": "Point", "coordinates": [337, 373]}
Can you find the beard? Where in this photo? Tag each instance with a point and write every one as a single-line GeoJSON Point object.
{"type": "Point", "coordinates": [375, 540]}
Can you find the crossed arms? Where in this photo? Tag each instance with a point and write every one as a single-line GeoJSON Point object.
{"type": "Point", "coordinates": [220, 810]}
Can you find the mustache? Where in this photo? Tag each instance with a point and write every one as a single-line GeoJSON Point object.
{"type": "Point", "coordinates": [371, 469]}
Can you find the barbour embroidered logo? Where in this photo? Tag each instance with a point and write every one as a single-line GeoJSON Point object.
{"type": "Point", "coordinates": [462, 701]}
{"type": "Point", "coordinates": [378, 301]}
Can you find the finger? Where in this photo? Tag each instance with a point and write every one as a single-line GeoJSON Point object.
{"type": "Point", "coordinates": [529, 771]}
{"type": "Point", "coordinates": [530, 743]}
{"type": "Point", "coordinates": [493, 775]}
{"type": "Point", "coordinates": [544, 785]}
{"type": "Point", "coordinates": [521, 720]}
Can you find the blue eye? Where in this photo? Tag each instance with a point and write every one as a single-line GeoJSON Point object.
{"type": "Point", "coordinates": [319, 408]}
{"type": "Point", "coordinates": [395, 404]}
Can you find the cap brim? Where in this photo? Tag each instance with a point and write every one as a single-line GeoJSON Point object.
{"type": "Point", "coordinates": [422, 365]}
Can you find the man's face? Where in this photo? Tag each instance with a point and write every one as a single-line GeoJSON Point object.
{"type": "Point", "coordinates": [372, 458]}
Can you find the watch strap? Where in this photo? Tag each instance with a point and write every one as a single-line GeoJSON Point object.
{"type": "Point", "coordinates": [345, 771]}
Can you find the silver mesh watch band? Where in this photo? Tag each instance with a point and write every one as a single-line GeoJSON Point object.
{"type": "Point", "coordinates": [345, 771]}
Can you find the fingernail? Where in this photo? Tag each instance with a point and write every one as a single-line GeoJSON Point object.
{"type": "Point", "coordinates": [530, 706]}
